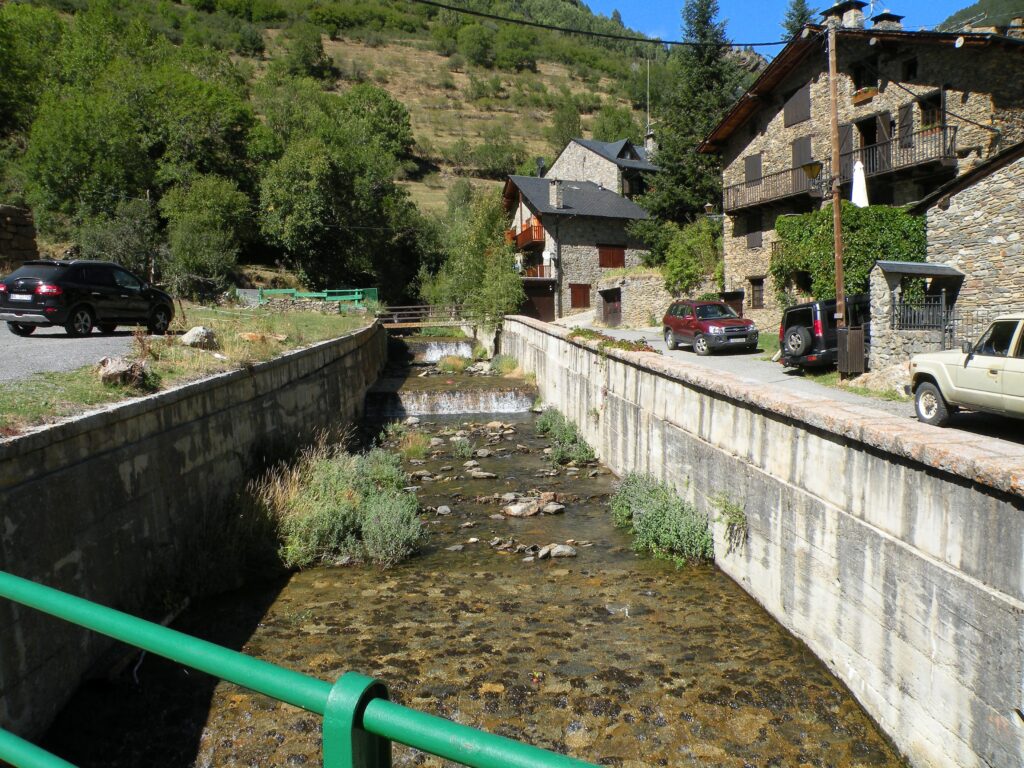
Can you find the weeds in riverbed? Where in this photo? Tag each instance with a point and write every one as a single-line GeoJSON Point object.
{"type": "Point", "coordinates": [661, 522]}
{"type": "Point", "coordinates": [331, 503]}
{"type": "Point", "coordinates": [452, 364]}
{"type": "Point", "coordinates": [567, 444]}
{"type": "Point", "coordinates": [735, 519]}
{"type": "Point", "coordinates": [462, 448]}
{"type": "Point", "coordinates": [414, 445]}
{"type": "Point", "coordinates": [504, 364]}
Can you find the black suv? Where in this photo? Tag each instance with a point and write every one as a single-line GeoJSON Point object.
{"type": "Point", "coordinates": [80, 295]}
{"type": "Point", "coordinates": [807, 334]}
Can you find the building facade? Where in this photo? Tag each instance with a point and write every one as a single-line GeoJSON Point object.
{"type": "Point", "coordinates": [916, 108]}
{"type": "Point", "coordinates": [619, 166]}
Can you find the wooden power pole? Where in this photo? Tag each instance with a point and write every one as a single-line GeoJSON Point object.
{"type": "Point", "coordinates": [837, 211]}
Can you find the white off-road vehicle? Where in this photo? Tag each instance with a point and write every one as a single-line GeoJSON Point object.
{"type": "Point", "coordinates": [986, 376]}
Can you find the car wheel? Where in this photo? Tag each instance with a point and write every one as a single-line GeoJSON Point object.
{"type": "Point", "coordinates": [670, 339]}
{"type": "Point", "coordinates": [21, 329]}
{"type": "Point", "coordinates": [797, 341]}
{"type": "Point", "coordinates": [159, 321]}
{"type": "Point", "coordinates": [79, 322]}
{"type": "Point", "coordinates": [931, 405]}
{"type": "Point", "coordinates": [107, 327]}
{"type": "Point", "coordinates": [701, 346]}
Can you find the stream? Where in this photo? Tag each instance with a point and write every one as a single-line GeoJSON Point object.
{"type": "Point", "coordinates": [614, 657]}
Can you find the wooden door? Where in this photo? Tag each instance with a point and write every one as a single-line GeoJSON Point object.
{"type": "Point", "coordinates": [540, 300]}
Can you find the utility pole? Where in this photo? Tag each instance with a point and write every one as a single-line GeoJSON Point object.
{"type": "Point", "coordinates": [837, 211]}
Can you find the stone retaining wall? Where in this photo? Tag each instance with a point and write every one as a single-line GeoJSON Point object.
{"type": "Point", "coordinates": [102, 506]}
{"type": "Point", "coordinates": [17, 237]}
{"type": "Point", "coordinates": [893, 549]}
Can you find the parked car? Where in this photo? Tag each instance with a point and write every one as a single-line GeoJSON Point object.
{"type": "Point", "coordinates": [807, 333]}
{"type": "Point", "coordinates": [985, 376]}
{"type": "Point", "coordinates": [707, 326]}
{"type": "Point", "coordinates": [80, 295]}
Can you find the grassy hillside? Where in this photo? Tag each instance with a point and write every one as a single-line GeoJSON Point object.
{"type": "Point", "coordinates": [996, 12]}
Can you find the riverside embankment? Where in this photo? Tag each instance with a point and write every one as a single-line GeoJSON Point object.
{"type": "Point", "coordinates": [895, 551]}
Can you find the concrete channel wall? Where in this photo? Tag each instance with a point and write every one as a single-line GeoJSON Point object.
{"type": "Point", "coordinates": [103, 506]}
{"type": "Point", "coordinates": [893, 549]}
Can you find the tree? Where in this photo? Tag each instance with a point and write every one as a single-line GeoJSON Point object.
{"type": "Point", "coordinates": [129, 236]}
{"type": "Point", "coordinates": [693, 254]}
{"type": "Point", "coordinates": [617, 17]}
{"type": "Point", "coordinates": [498, 155]}
{"type": "Point", "coordinates": [385, 119]}
{"type": "Point", "coordinates": [797, 15]}
{"type": "Point", "coordinates": [613, 123]}
{"type": "Point", "coordinates": [515, 48]}
{"type": "Point", "coordinates": [304, 54]}
{"type": "Point", "coordinates": [29, 37]}
{"type": "Point", "coordinates": [565, 126]}
{"type": "Point", "coordinates": [476, 43]}
{"type": "Point", "coordinates": [705, 84]}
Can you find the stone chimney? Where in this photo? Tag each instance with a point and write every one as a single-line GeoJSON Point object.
{"type": "Point", "coordinates": [887, 21]}
{"type": "Point", "coordinates": [555, 194]}
{"type": "Point", "coordinates": [650, 145]}
{"type": "Point", "coordinates": [1016, 28]}
{"type": "Point", "coordinates": [847, 13]}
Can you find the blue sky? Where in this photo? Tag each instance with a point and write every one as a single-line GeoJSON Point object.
{"type": "Point", "coordinates": [758, 20]}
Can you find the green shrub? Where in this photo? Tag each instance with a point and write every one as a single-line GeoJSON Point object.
{"type": "Point", "coordinates": [414, 445]}
{"type": "Point", "coordinates": [661, 522]}
{"type": "Point", "coordinates": [391, 530]}
{"type": "Point", "coordinates": [567, 444]}
{"type": "Point", "coordinates": [130, 237]}
{"type": "Point", "coordinates": [452, 364]}
{"type": "Point", "coordinates": [504, 364]}
{"type": "Point", "coordinates": [476, 43]}
{"type": "Point", "coordinates": [462, 448]}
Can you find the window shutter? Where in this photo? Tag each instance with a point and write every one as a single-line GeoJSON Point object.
{"type": "Point", "coordinates": [906, 125]}
{"type": "Point", "coordinates": [798, 107]}
{"type": "Point", "coordinates": [801, 154]}
{"type": "Point", "coordinates": [611, 256]}
{"type": "Point", "coordinates": [752, 169]}
{"type": "Point", "coordinates": [846, 151]}
{"type": "Point", "coordinates": [579, 295]}
{"type": "Point", "coordinates": [754, 234]}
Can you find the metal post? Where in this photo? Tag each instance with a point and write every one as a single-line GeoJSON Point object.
{"type": "Point", "coordinates": [346, 743]}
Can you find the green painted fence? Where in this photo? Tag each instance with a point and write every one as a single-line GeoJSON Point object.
{"type": "Point", "coordinates": [359, 721]}
{"type": "Point", "coordinates": [355, 296]}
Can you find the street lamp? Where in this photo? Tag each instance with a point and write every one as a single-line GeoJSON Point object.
{"type": "Point", "coordinates": [812, 171]}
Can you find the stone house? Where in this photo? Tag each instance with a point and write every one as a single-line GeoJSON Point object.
{"type": "Point", "coordinates": [616, 165]}
{"type": "Point", "coordinates": [569, 233]}
{"type": "Point", "coordinates": [916, 108]}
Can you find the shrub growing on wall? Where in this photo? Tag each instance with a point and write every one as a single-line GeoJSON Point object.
{"type": "Point", "coordinates": [869, 234]}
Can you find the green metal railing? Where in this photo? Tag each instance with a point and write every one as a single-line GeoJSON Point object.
{"type": "Point", "coordinates": [359, 721]}
{"type": "Point", "coordinates": [355, 296]}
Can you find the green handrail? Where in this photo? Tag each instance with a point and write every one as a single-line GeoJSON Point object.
{"type": "Point", "coordinates": [25, 754]}
{"type": "Point", "coordinates": [359, 721]}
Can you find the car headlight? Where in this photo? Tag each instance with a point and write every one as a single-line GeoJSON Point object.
{"type": "Point", "coordinates": [752, 329]}
{"type": "Point", "coordinates": [716, 329]}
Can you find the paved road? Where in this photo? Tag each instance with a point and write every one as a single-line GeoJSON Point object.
{"type": "Point", "coordinates": [753, 367]}
{"type": "Point", "coordinates": [50, 349]}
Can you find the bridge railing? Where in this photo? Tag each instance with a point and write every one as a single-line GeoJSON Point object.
{"type": "Point", "coordinates": [356, 296]}
{"type": "Point", "coordinates": [359, 721]}
{"type": "Point", "coordinates": [423, 314]}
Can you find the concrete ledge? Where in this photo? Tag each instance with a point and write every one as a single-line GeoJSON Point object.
{"type": "Point", "coordinates": [893, 549]}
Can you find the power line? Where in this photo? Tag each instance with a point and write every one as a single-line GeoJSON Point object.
{"type": "Point", "coordinates": [587, 33]}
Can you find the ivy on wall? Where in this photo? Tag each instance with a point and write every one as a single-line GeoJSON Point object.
{"type": "Point", "coordinates": [878, 232]}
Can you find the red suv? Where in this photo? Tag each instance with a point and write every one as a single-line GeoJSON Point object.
{"type": "Point", "coordinates": [707, 325]}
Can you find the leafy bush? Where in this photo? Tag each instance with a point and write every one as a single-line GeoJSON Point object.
{"type": "Point", "coordinates": [462, 448]}
{"type": "Point", "coordinates": [476, 43]}
{"type": "Point", "coordinates": [452, 364]}
{"type": "Point", "coordinates": [613, 123]}
{"type": "Point", "coordinates": [504, 364]}
{"type": "Point", "coordinates": [693, 254]}
{"type": "Point", "coordinates": [661, 522]}
{"type": "Point", "coordinates": [391, 530]}
{"type": "Point", "coordinates": [567, 444]}
{"type": "Point", "coordinates": [304, 54]}
{"type": "Point", "coordinates": [414, 445]}
{"type": "Point", "coordinates": [514, 48]}
{"type": "Point", "coordinates": [130, 236]}
{"type": "Point", "coordinates": [875, 232]}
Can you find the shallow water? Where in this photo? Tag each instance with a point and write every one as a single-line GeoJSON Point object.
{"type": "Point", "coordinates": [613, 657]}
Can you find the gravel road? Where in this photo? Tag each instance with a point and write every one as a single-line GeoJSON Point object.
{"type": "Point", "coordinates": [50, 349]}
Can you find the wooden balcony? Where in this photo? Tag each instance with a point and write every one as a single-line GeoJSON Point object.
{"type": "Point", "coordinates": [538, 272]}
{"type": "Point", "coordinates": [531, 235]}
{"type": "Point", "coordinates": [930, 145]}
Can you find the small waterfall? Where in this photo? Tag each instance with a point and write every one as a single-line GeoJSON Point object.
{"type": "Point", "coordinates": [432, 351]}
{"type": "Point", "coordinates": [388, 405]}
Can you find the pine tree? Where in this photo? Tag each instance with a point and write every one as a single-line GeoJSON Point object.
{"type": "Point", "coordinates": [705, 84]}
{"type": "Point", "coordinates": [797, 15]}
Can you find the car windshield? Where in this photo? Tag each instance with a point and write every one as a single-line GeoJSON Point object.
{"type": "Point", "coordinates": [714, 311]}
{"type": "Point", "coordinates": [40, 271]}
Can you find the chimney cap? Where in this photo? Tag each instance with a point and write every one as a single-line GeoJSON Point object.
{"type": "Point", "coordinates": [842, 7]}
{"type": "Point", "coordinates": [886, 15]}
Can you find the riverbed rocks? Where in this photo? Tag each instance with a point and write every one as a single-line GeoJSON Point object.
{"type": "Point", "coordinates": [479, 474]}
{"type": "Point", "coordinates": [527, 508]}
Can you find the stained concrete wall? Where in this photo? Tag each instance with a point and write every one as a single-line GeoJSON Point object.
{"type": "Point", "coordinates": [893, 549]}
{"type": "Point", "coordinates": [104, 506]}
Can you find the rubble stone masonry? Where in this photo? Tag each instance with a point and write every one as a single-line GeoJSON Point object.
{"type": "Point", "coordinates": [577, 163]}
{"type": "Point", "coordinates": [17, 237]}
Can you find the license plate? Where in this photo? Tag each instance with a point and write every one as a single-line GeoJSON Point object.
{"type": "Point", "coordinates": [21, 297]}
{"type": "Point", "coordinates": [738, 340]}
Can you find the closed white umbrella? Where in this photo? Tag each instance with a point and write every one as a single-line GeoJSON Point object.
{"type": "Point", "coordinates": [859, 197]}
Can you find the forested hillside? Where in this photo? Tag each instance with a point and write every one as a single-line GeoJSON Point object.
{"type": "Point", "coordinates": [991, 12]}
{"type": "Point", "coordinates": [181, 139]}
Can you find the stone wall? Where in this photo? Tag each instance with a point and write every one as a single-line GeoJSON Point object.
{"type": "Point", "coordinates": [577, 163]}
{"type": "Point", "coordinates": [982, 86]}
{"type": "Point", "coordinates": [17, 237]}
{"type": "Point", "coordinates": [643, 298]}
{"type": "Point", "coordinates": [893, 549]}
{"type": "Point", "coordinates": [284, 305]}
{"type": "Point", "coordinates": [981, 233]}
{"type": "Point", "coordinates": [577, 239]}
{"type": "Point", "coordinates": [890, 346]}
{"type": "Point", "coordinates": [103, 506]}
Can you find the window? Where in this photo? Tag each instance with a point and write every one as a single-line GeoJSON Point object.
{"type": "Point", "coordinates": [96, 275]}
{"type": "Point", "coordinates": [865, 74]}
{"type": "Point", "coordinates": [752, 170]}
{"type": "Point", "coordinates": [996, 340]}
{"type": "Point", "coordinates": [909, 69]}
{"type": "Point", "coordinates": [931, 111]}
{"type": "Point", "coordinates": [757, 293]}
{"type": "Point", "coordinates": [579, 295]}
{"type": "Point", "coordinates": [798, 106]}
{"type": "Point", "coordinates": [611, 256]}
{"type": "Point", "coordinates": [753, 226]}
{"type": "Point", "coordinates": [124, 280]}
{"type": "Point", "coordinates": [714, 312]}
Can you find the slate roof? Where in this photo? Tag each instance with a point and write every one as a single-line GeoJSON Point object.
{"type": "Point", "coordinates": [983, 169]}
{"type": "Point", "coordinates": [611, 150]}
{"type": "Point", "coordinates": [925, 269]}
{"type": "Point", "coordinates": [579, 198]}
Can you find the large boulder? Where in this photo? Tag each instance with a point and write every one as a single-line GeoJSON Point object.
{"type": "Point", "coordinates": [119, 371]}
{"type": "Point", "coordinates": [200, 337]}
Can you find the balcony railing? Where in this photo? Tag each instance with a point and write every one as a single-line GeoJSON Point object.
{"type": "Point", "coordinates": [531, 235]}
{"type": "Point", "coordinates": [929, 145]}
{"type": "Point", "coordinates": [538, 272]}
